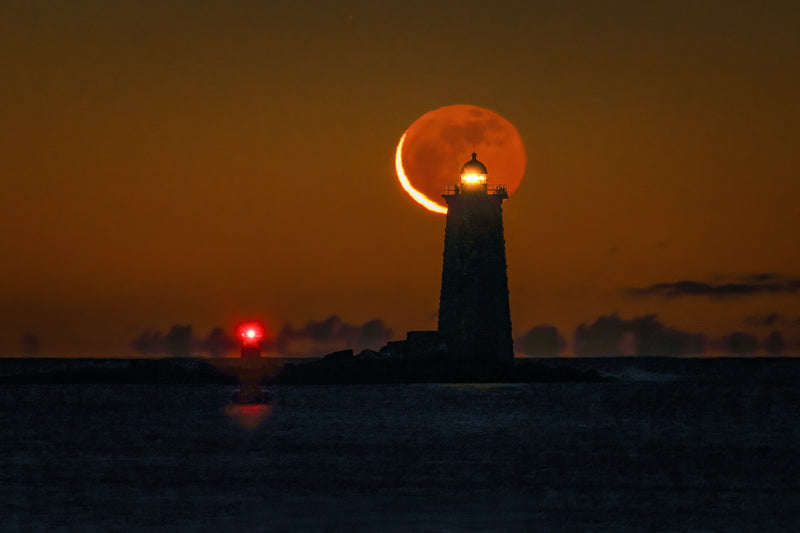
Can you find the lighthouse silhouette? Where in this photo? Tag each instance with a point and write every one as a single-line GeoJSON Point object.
{"type": "Point", "coordinates": [474, 314]}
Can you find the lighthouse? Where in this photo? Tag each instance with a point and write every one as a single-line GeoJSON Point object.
{"type": "Point", "coordinates": [474, 314]}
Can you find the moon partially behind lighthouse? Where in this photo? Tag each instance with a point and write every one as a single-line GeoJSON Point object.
{"type": "Point", "coordinates": [433, 149]}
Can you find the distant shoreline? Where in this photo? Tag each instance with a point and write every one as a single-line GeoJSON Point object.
{"type": "Point", "coordinates": [288, 371]}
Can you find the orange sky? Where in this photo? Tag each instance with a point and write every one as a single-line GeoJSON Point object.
{"type": "Point", "coordinates": [198, 163]}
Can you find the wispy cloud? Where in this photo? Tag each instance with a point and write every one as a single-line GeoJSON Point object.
{"type": "Point", "coordinates": [752, 284]}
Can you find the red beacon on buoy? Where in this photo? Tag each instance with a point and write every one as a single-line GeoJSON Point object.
{"type": "Point", "coordinates": [250, 335]}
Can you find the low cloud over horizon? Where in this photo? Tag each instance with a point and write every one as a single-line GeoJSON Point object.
{"type": "Point", "coordinates": [541, 341]}
{"type": "Point", "coordinates": [770, 320]}
{"type": "Point", "coordinates": [643, 335]}
{"type": "Point", "coordinates": [770, 333]}
{"type": "Point", "coordinates": [321, 337]}
{"type": "Point", "coordinates": [313, 339]}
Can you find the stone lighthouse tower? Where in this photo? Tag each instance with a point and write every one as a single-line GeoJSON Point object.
{"type": "Point", "coordinates": [474, 315]}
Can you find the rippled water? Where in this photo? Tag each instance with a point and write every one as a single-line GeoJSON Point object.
{"type": "Point", "coordinates": [632, 456]}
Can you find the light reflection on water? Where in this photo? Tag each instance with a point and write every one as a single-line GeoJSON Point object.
{"type": "Point", "coordinates": [248, 416]}
{"type": "Point", "coordinates": [482, 386]}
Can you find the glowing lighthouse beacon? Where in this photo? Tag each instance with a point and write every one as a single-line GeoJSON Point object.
{"type": "Point", "coordinates": [474, 315]}
{"type": "Point", "coordinates": [251, 335]}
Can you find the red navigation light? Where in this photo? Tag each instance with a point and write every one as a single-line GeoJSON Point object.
{"type": "Point", "coordinates": [251, 333]}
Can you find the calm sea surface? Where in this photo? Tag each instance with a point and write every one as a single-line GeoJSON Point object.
{"type": "Point", "coordinates": [658, 454]}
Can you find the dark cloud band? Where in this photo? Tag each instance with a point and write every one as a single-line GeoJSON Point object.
{"type": "Point", "coordinates": [746, 286]}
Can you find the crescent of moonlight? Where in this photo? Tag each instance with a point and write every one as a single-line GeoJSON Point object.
{"type": "Point", "coordinates": [426, 202]}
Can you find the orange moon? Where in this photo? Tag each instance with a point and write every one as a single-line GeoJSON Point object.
{"type": "Point", "coordinates": [433, 149]}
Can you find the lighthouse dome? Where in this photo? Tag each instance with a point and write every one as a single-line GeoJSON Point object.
{"type": "Point", "coordinates": [473, 166]}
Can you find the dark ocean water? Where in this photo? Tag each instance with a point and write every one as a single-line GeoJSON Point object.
{"type": "Point", "coordinates": [657, 451]}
